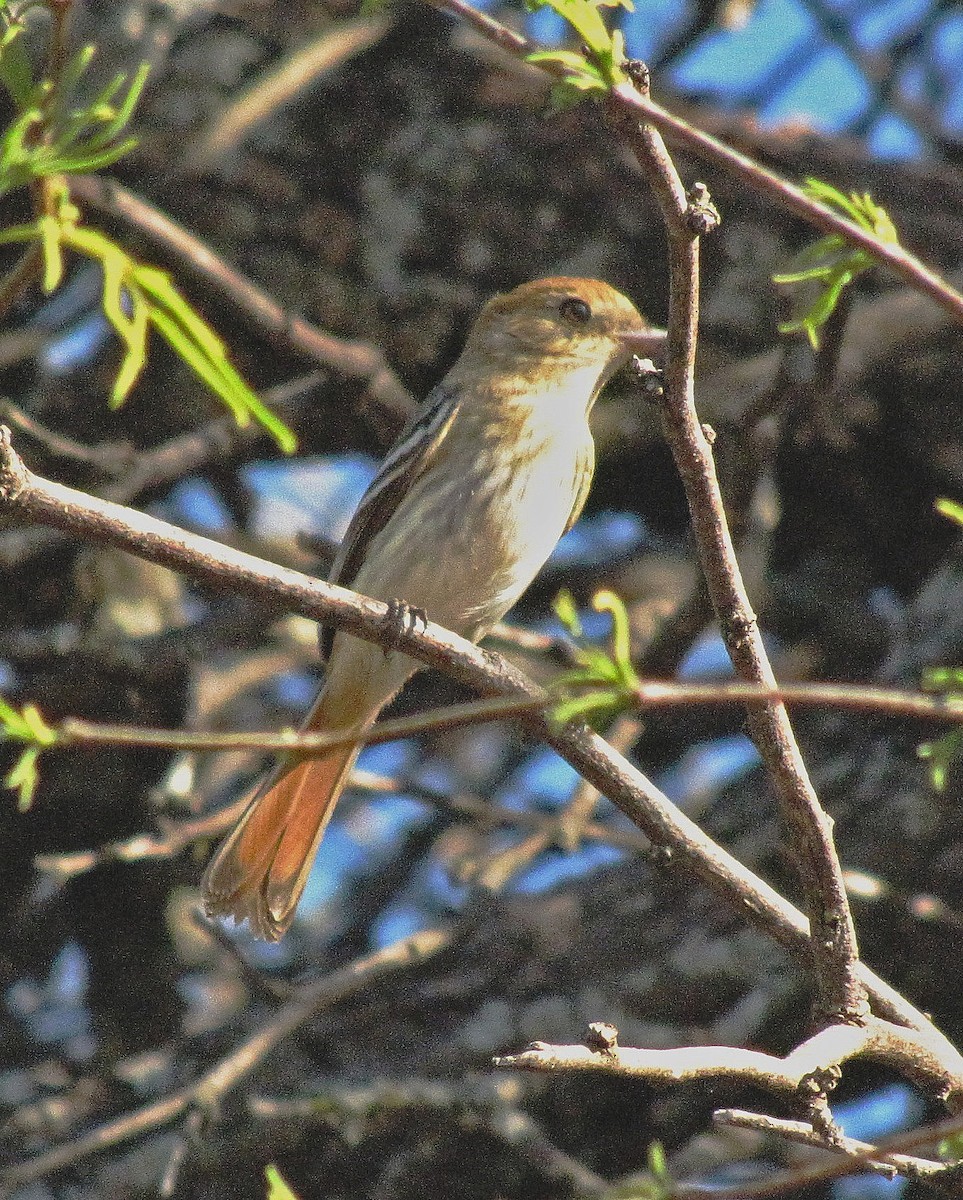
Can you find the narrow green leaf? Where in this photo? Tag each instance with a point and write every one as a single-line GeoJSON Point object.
{"type": "Point", "coordinates": [607, 601]}
{"type": "Point", "coordinates": [160, 288]}
{"type": "Point", "coordinates": [194, 356]}
{"type": "Point", "coordinates": [76, 68]}
{"type": "Point", "coordinates": [584, 18]}
{"type": "Point", "coordinates": [12, 724]}
{"type": "Point", "coordinates": [135, 357]}
{"type": "Point", "coordinates": [39, 730]}
{"type": "Point", "coordinates": [22, 778]}
{"type": "Point", "coordinates": [566, 610]}
{"type": "Point", "coordinates": [581, 707]}
{"type": "Point", "coordinates": [19, 233]}
{"type": "Point", "coordinates": [81, 162]}
{"type": "Point", "coordinates": [16, 70]}
{"type": "Point", "coordinates": [129, 103]}
{"type": "Point", "coordinates": [278, 1189]}
{"type": "Point", "coordinates": [53, 264]}
{"type": "Point", "coordinates": [950, 508]}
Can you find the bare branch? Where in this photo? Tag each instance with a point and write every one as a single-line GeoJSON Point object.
{"type": "Point", "coordinates": [207, 1092]}
{"type": "Point", "coordinates": [285, 330]}
{"type": "Point", "coordinates": [840, 994]}
{"type": "Point", "coordinates": [627, 787]}
{"type": "Point", "coordinates": [916, 1055]}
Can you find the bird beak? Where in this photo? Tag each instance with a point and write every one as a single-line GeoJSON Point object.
{"type": "Point", "coordinates": [645, 343]}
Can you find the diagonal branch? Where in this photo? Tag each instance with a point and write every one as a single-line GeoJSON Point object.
{"type": "Point", "coordinates": [29, 496]}
{"type": "Point", "coordinates": [285, 330]}
{"type": "Point", "coordinates": [206, 1093]}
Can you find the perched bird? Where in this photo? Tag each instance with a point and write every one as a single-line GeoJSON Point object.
{"type": "Point", "coordinates": [465, 510]}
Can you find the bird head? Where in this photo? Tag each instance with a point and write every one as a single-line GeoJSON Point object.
{"type": "Point", "coordinates": [561, 324]}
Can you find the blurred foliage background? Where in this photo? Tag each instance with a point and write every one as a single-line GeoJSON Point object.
{"type": "Point", "coordinates": [383, 196]}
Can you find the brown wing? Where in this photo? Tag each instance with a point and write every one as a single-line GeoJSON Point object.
{"type": "Point", "coordinates": [409, 458]}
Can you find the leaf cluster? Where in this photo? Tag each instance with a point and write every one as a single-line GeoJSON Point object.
{"type": "Point", "coordinates": [55, 134]}
{"type": "Point", "coordinates": [137, 296]}
{"type": "Point", "coordinates": [604, 682]}
{"type": "Point", "coordinates": [29, 727]}
{"type": "Point", "coordinates": [601, 64]}
{"type": "Point", "coordinates": [826, 267]}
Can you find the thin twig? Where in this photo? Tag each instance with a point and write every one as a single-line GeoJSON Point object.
{"type": "Point", "coordinates": [277, 87]}
{"type": "Point", "coordinates": [870, 1158]}
{"type": "Point", "coordinates": [220, 438]}
{"type": "Point", "coordinates": [207, 1092]}
{"type": "Point", "coordinates": [74, 732]}
{"type": "Point", "coordinates": [285, 330]}
{"type": "Point", "coordinates": [486, 1097]}
{"type": "Point", "coordinates": [789, 195]}
{"type": "Point", "coordinates": [112, 457]}
{"type": "Point", "coordinates": [875, 701]}
{"type": "Point", "coordinates": [681, 840]}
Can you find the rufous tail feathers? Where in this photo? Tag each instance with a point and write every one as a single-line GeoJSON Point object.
{"type": "Point", "coordinates": [259, 871]}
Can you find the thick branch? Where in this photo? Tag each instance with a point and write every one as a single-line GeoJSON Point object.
{"type": "Point", "coordinates": [98, 520]}
{"type": "Point", "coordinates": [915, 1055]}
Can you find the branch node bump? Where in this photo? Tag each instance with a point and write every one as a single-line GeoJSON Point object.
{"type": "Point", "coordinates": [651, 377]}
{"type": "Point", "coordinates": [602, 1038]}
{"type": "Point", "coordinates": [13, 474]}
{"type": "Point", "coordinates": [701, 215]}
{"type": "Point", "coordinates": [638, 74]}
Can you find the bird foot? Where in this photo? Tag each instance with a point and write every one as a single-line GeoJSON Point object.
{"type": "Point", "coordinates": [401, 618]}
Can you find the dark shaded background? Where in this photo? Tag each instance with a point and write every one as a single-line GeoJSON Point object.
{"type": "Point", "coordinates": [387, 202]}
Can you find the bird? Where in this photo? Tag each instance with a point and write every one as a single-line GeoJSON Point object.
{"type": "Point", "coordinates": [463, 513]}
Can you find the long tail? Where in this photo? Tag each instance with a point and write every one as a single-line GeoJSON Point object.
{"type": "Point", "coordinates": [259, 871]}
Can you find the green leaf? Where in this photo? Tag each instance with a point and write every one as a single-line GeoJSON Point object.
{"type": "Point", "coordinates": [39, 730]}
{"type": "Point", "coordinates": [23, 778]}
{"type": "Point", "coordinates": [585, 19]}
{"type": "Point", "coordinates": [830, 264]}
{"type": "Point", "coordinates": [76, 66]}
{"type": "Point", "coordinates": [951, 509]}
{"type": "Point", "coordinates": [566, 610]}
{"type": "Point", "coordinates": [135, 358]}
{"type": "Point", "coordinates": [28, 726]}
{"type": "Point", "coordinates": [19, 233]}
{"type": "Point", "coordinates": [13, 725]}
{"type": "Point", "coordinates": [602, 65]}
{"type": "Point", "coordinates": [277, 1188]}
{"type": "Point", "coordinates": [606, 601]}
{"type": "Point", "coordinates": [586, 706]}
{"type": "Point", "coordinates": [50, 229]}
{"type": "Point", "coordinates": [940, 755]}
{"type": "Point", "coordinates": [159, 287]}
{"type": "Point", "coordinates": [16, 70]}
{"type": "Point", "coordinates": [945, 679]}
{"type": "Point", "coordinates": [604, 683]}
{"type": "Point", "coordinates": [951, 1148]}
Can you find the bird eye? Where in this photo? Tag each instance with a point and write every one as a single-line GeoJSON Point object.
{"type": "Point", "coordinates": [575, 310]}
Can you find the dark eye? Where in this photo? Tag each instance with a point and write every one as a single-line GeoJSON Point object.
{"type": "Point", "coordinates": [575, 310]}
